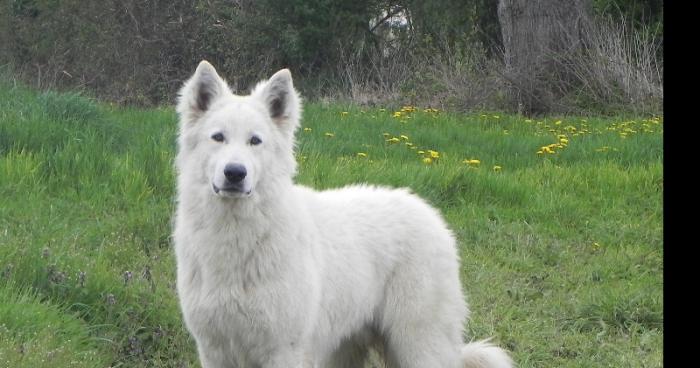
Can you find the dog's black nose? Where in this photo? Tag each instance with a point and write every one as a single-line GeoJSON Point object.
{"type": "Point", "coordinates": [235, 172]}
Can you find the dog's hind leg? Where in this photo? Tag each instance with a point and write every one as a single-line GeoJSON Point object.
{"type": "Point", "coordinates": [423, 314]}
{"type": "Point", "coordinates": [352, 353]}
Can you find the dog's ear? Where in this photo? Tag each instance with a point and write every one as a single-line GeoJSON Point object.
{"type": "Point", "coordinates": [281, 100]}
{"type": "Point", "coordinates": [200, 92]}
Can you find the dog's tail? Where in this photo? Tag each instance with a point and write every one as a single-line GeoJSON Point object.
{"type": "Point", "coordinates": [483, 354]}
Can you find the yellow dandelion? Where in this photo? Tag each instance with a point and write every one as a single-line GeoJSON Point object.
{"type": "Point", "coordinates": [386, 134]}
{"type": "Point", "coordinates": [497, 168]}
{"type": "Point", "coordinates": [329, 135]}
{"type": "Point", "coordinates": [393, 140]}
{"type": "Point", "coordinates": [472, 162]}
{"type": "Point", "coordinates": [404, 137]}
{"type": "Point", "coordinates": [427, 160]}
{"type": "Point", "coordinates": [361, 154]}
{"type": "Point", "coordinates": [558, 122]}
{"type": "Point", "coordinates": [420, 152]}
{"type": "Point", "coordinates": [382, 110]}
{"type": "Point", "coordinates": [496, 117]}
{"type": "Point", "coordinates": [344, 113]}
{"type": "Point", "coordinates": [434, 154]}
{"type": "Point", "coordinates": [564, 141]}
{"type": "Point", "coordinates": [540, 152]}
{"type": "Point", "coordinates": [397, 114]}
{"type": "Point", "coordinates": [307, 129]}
{"type": "Point", "coordinates": [528, 120]}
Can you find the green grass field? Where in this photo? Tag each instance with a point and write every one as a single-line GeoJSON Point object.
{"type": "Point", "coordinates": [562, 253]}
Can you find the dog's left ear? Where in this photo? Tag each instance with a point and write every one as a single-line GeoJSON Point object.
{"type": "Point", "coordinates": [281, 100]}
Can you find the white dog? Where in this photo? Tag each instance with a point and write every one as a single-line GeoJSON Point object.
{"type": "Point", "coordinates": [273, 274]}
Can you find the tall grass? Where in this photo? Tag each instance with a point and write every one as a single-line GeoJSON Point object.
{"type": "Point", "coordinates": [561, 253]}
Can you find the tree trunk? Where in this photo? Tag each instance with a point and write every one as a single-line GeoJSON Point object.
{"type": "Point", "coordinates": [535, 34]}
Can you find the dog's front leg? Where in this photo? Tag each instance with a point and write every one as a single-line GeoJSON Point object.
{"type": "Point", "coordinates": [290, 357]}
{"type": "Point", "coordinates": [211, 357]}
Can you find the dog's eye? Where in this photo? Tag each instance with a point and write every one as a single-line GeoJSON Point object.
{"type": "Point", "coordinates": [255, 140]}
{"type": "Point", "coordinates": [218, 137]}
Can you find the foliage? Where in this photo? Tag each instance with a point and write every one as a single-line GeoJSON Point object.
{"type": "Point", "coordinates": [139, 53]}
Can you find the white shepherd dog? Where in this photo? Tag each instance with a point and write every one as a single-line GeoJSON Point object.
{"type": "Point", "coordinates": [273, 274]}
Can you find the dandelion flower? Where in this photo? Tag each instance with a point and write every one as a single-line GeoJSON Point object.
{"type": "Point", "coordinates": [427, 160]}
{"type": "Point", "coordinates": [397, 114]}
{"type": "Point", "coordinates": [420, 152]}
{"type": "Point", "coordinates": [307, 129]}
{"type": "Point", "coordinates": [361, 154]}
{"type": "Point", "coordinates": [393, 140]}
{"type": "Point", "coordinates": [434, 154]}
{"type": "Point", "coordinates": [329, 135]}
{"type": "Point", "coordinates": [497, 168]}
{"type": "Point", "coordinates": [404, 137]}
{"type": "Point", "coordinates": [386, 134]}
{"type": "Point", "coordinates": [344, 113]}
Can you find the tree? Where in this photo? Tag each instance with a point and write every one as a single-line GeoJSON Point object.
{"type": "Point", "coordinates": [534, 33]}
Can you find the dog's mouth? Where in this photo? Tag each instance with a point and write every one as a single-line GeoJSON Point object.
{"type": "Point", "coordinates": [231, 191]}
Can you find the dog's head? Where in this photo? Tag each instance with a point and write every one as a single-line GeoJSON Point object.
{"type": "Point", "coordinates": [234, 145]}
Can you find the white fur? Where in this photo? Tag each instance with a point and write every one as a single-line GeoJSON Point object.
{"type": "Point", "coordinates": [286, 276]}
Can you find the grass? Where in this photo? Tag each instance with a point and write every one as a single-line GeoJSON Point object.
{"type": "Point", "coordinates": [561, 252]}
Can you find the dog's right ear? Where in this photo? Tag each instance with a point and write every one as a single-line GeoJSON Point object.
{"type": "Point", "coordinates": [200, 92]}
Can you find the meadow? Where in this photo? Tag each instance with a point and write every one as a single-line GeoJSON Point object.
{"type": "Point", "coordinates": [559, 221]}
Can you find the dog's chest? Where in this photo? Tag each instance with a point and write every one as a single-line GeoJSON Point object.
{"type": "Point", "coordinates": [222, 284]}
